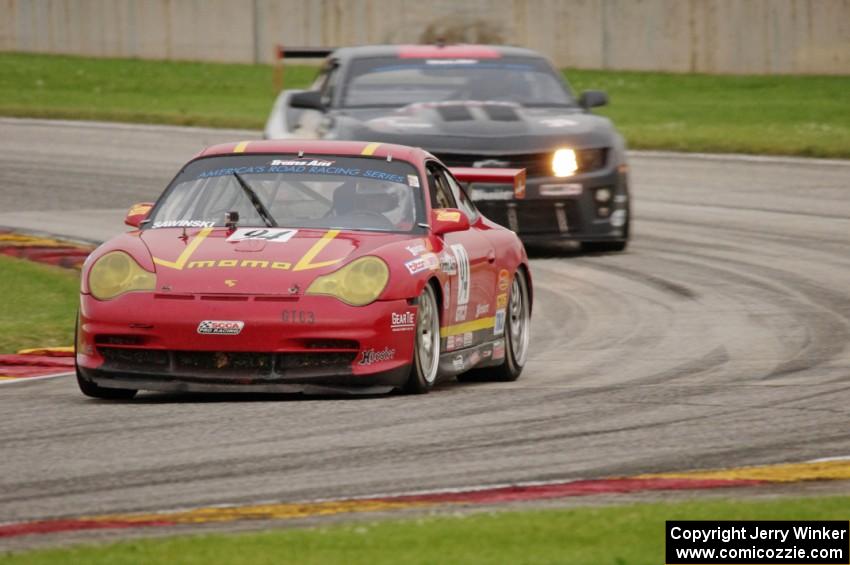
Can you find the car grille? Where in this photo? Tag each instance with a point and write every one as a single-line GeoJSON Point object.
{"type": "Point", "coordinates": [227, 363]}
{"type": "Point", "coordinates": [535, 164]}
{"type": "Point", "coordinates": [533, 216]}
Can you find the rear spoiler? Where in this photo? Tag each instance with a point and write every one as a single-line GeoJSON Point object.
{"type": "Point", "coordinates": [515, 177]}
{"type": "Point", "coordinates": [281, 53]}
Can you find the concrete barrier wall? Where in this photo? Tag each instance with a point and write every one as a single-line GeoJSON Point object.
{"type": "Point", "coordinates": [712, 36]}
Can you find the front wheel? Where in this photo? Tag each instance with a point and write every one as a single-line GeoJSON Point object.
{"type": "Point", "coordinates": [95, 391]}
{"type": "Point", "coordinates": [603, 246]}
{"type": "Point", "coordinates": [426, 344]}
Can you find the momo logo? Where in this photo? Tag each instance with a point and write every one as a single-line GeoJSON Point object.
{"type": "Point", "coordinates": [371, 356]}
{"type": "Point", "coordinates": [221, 327]}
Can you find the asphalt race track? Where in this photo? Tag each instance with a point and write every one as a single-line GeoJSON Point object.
{"type": "Point", "coordinates": [720, 338]}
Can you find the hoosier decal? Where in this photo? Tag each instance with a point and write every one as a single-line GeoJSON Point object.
{"type": "Point", "coordinates": [370, 356]}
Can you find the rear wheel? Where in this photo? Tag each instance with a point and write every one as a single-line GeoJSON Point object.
{"type": "Point", "coordinates": [426, 344]}
{"type": "Point", "coordinates": [517, 337]}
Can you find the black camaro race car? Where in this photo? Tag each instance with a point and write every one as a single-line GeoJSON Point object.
{"type": "Point", "coordinates": [477, 106]}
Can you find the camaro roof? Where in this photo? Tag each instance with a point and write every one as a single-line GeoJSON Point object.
{"type": "Point", "coordinates": [433, 51]}
{"type": "Point", "coordinates": [316, 147]}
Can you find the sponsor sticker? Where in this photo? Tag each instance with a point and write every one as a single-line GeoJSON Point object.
{"type": "Point", "coordinates": [451, 61]}
{"type": "Point", "coordinates": [481, 309]}
{"type": "Point", "coordinates": [499, 328]}
{"type": "Point", "coordinates": [139, 209]}
{"type": "Point", "coordinates": [427, 262]}
{"type": "Point", "coordinates": [416, 266]}
{"type": "Point", "coordinates": [413, 180]}
{"type": "Point", "coordinates": [458, 363]}
{"type": "Point", "coordinates": [221, 327]}
{"type": "Point", "coordinates": [481, 194]}
{"type": "Point", "coordinates": [298, 317]}
{"type": "Point", "coordinates": [277, 235]}
{"type": "Point", "coordinates": [463, 281]}
{"type": "Point", "coordinates": [460, 313]}
{"type": "Point", "coordinates": [499, 350]}
{"type": "Point", "coordinates": [567, 189]}
{"type": "Point", "coordinates": [448, 263]}
{"type": "Point", "coordinates": [502, 300]}
{"type": "Point", "coordinates": [446, 293]}
{"type": "Point", "coordinates": [312, 163]}
{"type": "Point", "coordinates": [416, 249]}
{"type": "Point", "coordinates": [403, 322]}
{"type": "Point", "coordinates": [504, 279]}
{"type": "Point", "coordinates": [370, 356]}
{"type": "Point", "coordinates": [183, 224]}
{"type": "Point", "coordinates": [451, 343]}
{"type": "Point", "coordinates": [474, 358]}
{"type": "Point", "coordinates": [467, 339]}
{"type": "Point", "coordinates": [448, 216]}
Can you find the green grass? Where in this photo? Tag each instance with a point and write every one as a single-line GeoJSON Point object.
{"type": "Point", "coordinates": [790, 115]}
{"type": "Point", "coordinates": [613, 535]}
{"type": "Point", "coordinates": [38, 305]}
{"type": "Point", "coordinates": [787, 115]}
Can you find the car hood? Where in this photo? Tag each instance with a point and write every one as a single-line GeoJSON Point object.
{"type": "Point", "coordinates": [479, 127]}
{"type": "Point", "coordinates": [223, 261]}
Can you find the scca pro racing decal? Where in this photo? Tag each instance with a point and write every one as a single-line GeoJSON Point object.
{"type": "Point", "coordinates": [277, 235]}
{"type": "Point", "coordinates": [221, 327]}
{"type": "Point", "coordinates": [463, 281]}
{"type": "Point", "coordinates": [370, 356]}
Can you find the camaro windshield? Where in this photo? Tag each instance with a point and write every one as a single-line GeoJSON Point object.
{"type": "Point", "coordinates": [389, 81]}
{"type": "Point", "coordinates": [356, 193]}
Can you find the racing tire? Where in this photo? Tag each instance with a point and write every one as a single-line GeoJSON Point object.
{"type": "Point", "coordinates": [517, 337]}
{"type": "Point", "coordinates": [603, 246]}
{"type": "Point", "coordinates": [426, 344]}
{"type": "Point", "coordinates": [95, 391]}
{"type": "Point", "coordinates": [90, 389]}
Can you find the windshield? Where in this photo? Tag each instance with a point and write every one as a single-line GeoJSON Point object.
{"type": "Point", "coordinates": [355, 193]}
{"type": "Point", "coordinates": [392, 82]}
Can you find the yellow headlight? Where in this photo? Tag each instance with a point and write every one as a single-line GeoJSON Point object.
{"type": "Point", "coordinates": [359, 283]}
{"type": "Point", "coordinates": [116, 273]}
{"type": "Point", "coordinates": [564, 162]}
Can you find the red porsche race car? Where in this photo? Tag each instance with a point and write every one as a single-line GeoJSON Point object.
{"type": "Point", "coordinates": [306, 266]}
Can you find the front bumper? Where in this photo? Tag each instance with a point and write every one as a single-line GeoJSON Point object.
{"type": "Point", "coordinates": [151, 341]}
{"type": "Point", "coordinates": [561, 208]}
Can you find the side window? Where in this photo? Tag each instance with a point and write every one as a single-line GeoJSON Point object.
{"type": "Point", "coordinates": [441, 194]}
{"type": "Point", "coordinates": [329, 85]}
{"type": "Point", "coordinates": [463, 201]}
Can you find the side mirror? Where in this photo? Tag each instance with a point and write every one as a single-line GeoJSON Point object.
{"type": "Point", "coordinates": [592, 99]}
{"type": "Point", "coordinates": [447, 220]}
{"type": "Point", "coordinates": [307, 100]}
{"type": "Point", "coordinates": [137, 213]}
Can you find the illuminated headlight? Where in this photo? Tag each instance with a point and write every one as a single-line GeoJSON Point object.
{"type": "Point", "coordinates": [603, 195]}
{"type": "Point", "coordinates": [116, 273]}
{"type": "Point", "coordinates": [564, 163]}
{"type": "Point", "coordinates": [359, 283]}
